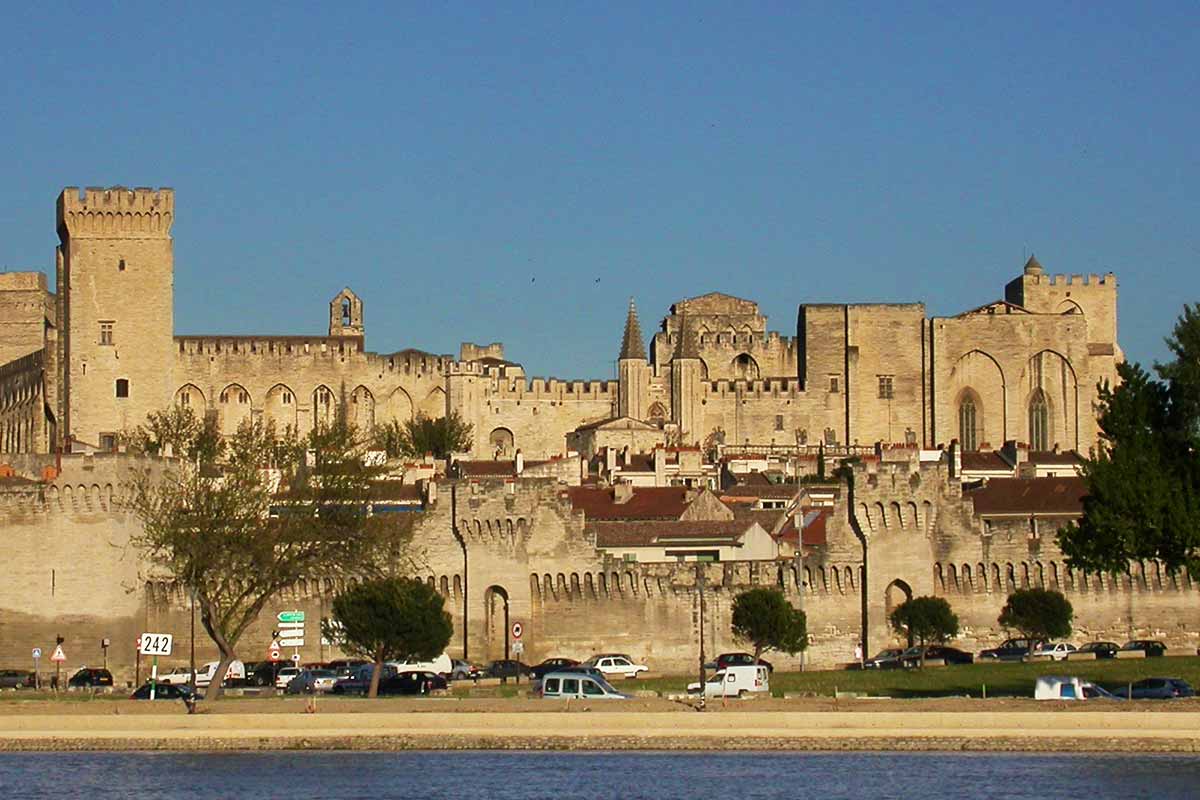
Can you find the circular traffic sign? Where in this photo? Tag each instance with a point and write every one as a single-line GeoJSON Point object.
{"type": "Point", "coordinates": [517, 630]}
{"type": "Point", "coordinates": [295, 658]}
{"type": "Point", "coordinates": [274, 655]}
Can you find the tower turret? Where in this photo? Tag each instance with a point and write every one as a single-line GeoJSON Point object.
{"type": "Point", "coordinates": [633, 371]}
{"type": "Point", "coordinates": [687, 371]}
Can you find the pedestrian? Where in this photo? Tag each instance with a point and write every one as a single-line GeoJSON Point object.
{"type": "Point", "coordinates": [858, 652]}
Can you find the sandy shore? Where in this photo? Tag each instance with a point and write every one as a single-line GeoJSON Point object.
{"type": "Point", "coordinates": [578, 728]}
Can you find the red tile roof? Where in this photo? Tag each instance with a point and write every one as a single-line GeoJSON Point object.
{"type": "Point", "coordinates": [647, 503]}
{"type": "Point", "coordinates": [985, 460]}
{"type": "Point", "coordinates": [1058, 496]}
{"type": "Point", "coordinates": [667, 532]}
{"type": "Point", "coordinates": [763, 491]}
{"type": "Point", "coordinates": [814, 521]}
{"type": "Point", "coordinates": [1050, 457]}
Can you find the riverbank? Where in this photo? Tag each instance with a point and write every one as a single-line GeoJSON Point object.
{"type": "Point", "coordinates": [585, 728]}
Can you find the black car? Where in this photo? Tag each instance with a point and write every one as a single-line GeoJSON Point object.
{"type": "Point", "coordinates": [912, 656]}
{"type": "Point", "coordinates": [1158, 689]}
{"type": "Point", "coordinates": [359, 680]}
{"type": "Point", "coordinates": [551, 665]}
{"type": "Point", "coordinates": [888, 658]}
{"type": "Point", "coordinates": [1101, 649]}
{"type": "Point", "coordinates": [16, 679]}
{"type": "Point", "coordinates": [263, 673]}
{"type": "Point", "coordinates": [1009, 650]}
{"type": "Point", "coordinates": [508, 668]}
{"type": "Point", "coordinates": [90, 678]}
{"type": "Point", "coordinates": [415, 682]}
{"type": "Point", "coordinates": [1152, 649]}
{"type": "Point", "coordinates": [166, 691]}
{"type": "Point", "coordinates": [741, 660]}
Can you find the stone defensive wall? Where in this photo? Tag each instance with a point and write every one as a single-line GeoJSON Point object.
{"type": "Point", "coordinates": [22, 402]}
{"type": "Point", "coordinates": [97, 211]}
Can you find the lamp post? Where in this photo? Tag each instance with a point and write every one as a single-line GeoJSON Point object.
{"type": "Point", "coordinates": [462, 542]}
{"type": "Point", "coordinates": [700, 598]}
{"type": "Point", "coordinates": [192, 646]}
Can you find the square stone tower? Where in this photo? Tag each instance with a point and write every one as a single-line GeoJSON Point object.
{"type": "Point", "coordinates": [115, 293]}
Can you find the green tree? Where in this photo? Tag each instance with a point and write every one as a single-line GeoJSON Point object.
{"type": "Point", "coordinates": [1143, 478]}
{"type": "Point", "coordinates": [1037, 614]}
{"type": "Point", "coordinates": [274, 509]}
{"type": "Point", "coordinates": [924, 620]}
{"type": "Point", "coordinates": [179, 429]}
{"type": "Point", "coordinates": [422, 434]}
{"type": "Point", "coordinates": [390, 619]}
{"type": "Point", "coordinates": [763, 619]}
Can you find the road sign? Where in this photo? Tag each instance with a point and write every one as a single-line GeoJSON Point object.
{"type": "Point", "coordinates": [290, 616]}
{"type": "Point", "coordinates": [518, 647]}
{"type": "Point", "coordinates": [274, 654]}
{"type": "Point", "coordinates": [291, 642]}
{"type": "Point", "coordinates": [285, 626]}
{"type": "Point", "coordinates": [59, 656]}
{"type": "Point", "coordinates": [155, 644]}
{"type": "Point", "coordinates": [295, 658]}
{"type": "Point", "coordinates": [37, 653]}
{"type": "Point", "coordinates": [517, 630]}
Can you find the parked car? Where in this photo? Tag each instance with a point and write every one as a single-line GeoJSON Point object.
{"type": "Point", "coordinates": [564, 685]}
{"type": "Point", "coordinates": [262, 673]}
{"type": "Point", "coordinates": [180, 676]}
{"type": "Point", "coordinates": [1057, 651]}
{"type": "Point", "coordinates": [285, 675]}
{"type": "Point", "coordinates": [1101, 649]}
{"type": "Point", "coordinates": [412, 682]}
{"type": "Point", "coordinates": [90, 678]}
{"type": "Point", "coordinates": [551, 665]}
{"type": "Point", "coordinates": [1159, 689]}
{"type": "Point", "coordinates": [344, 666]}
{"type": "Point", "coordinates": [359, 680]}
{"type": "Point", "coordinates": [464, 670]}
{"type": "Point", "coordinates": [735, 681]}
{"type": "Point", "coordinates": [234, 675]}
{"type": "Point", "coordinates": [507, 668]}
{"type": "Point", "coordinates": [912, 656]}
{"type": "Point", "coordinates": [441, 665]}
{"type": "Point", "coordinates": [1152, 648]}
{"type": "Point", "coordinates": [616, 665]}
{"type": "Point", "coordinates": [888, 658]}
{"type": "Point", "coordinates": [16, 679]}
{"type": "Point", "coordinates": [166, 691]}
{"type": "Point", "coordinates": [741, 660]}
{"type": "Point", "coordinates": [1057, 687]}
{"type": "Point", "coordinates": [1093, 691]}
{"type": "Point", "coordinates": [1009, 650]}
{"type": "Point", "coordinates": [311, 681]}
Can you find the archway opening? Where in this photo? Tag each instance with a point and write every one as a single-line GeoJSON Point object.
{"type": "Point", "coordinates": [496, 622]}
{"type": "Point", "coordinates": [896, 593]}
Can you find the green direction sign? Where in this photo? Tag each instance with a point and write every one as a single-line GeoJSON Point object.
{"type": "Point", "coordinates": [291, 616]}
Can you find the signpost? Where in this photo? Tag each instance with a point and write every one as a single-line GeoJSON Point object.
{"type": "Point", "coordinates": [58, 657]}
{"type": "Point", "coordinates": [518, 646]}
{"type": "Point", "coordinates": [37, 675]}
{"type": "Point", "coordinates": [290, 632]}
{"type": "Point", "coordinates": [517, 630]}
{"type": "Point", "coordinates": [155, 645]}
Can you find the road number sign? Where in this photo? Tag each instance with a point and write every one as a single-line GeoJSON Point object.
{"type": "Point", "coordinates": [155, 644]}
{"type": "Point", "coordinates": [37, 653]}
{"type": "Point", "coordinates": [517, 630]}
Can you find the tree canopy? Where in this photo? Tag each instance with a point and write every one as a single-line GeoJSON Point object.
{"type": "Point", "coordinates": [925, 620]}
{"type": "Point", "coordinates": [412, 439]}
{"type": "Point", "coordinates": [1143, 478]}
{"type": "Point", "coordinates": [763, 619]}
{"type": "Point", "coordinates": [1038, 614]}
{"type": "Point", "coordinates": [272, 509]}
{"type": "Point", "coordinates": [178, 430]}
{"type": "Point", "coordinates": [390, 619]}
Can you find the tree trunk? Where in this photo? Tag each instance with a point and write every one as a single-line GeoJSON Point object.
{"type": "Point", "coordinates": [216, 688]}
{"type": "Point", "coordinates": [375, 674]}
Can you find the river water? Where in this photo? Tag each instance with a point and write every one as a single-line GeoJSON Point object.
{"type": "Point", "coordinates": [626, 776]}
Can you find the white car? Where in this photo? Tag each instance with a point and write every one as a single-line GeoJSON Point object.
{"type": "Point", "coordinates": [180, 676]}
{"type": "Point", "coordinates": [617, 665]}
{"type": "Point", "coordinates": [285, 675]}
{"type": "Point", "coordinates": [1057, 651]}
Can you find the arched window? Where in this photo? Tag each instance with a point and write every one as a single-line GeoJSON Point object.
{"type": "Point", "coordinates": [1039, 422]}
{"type": "Point", "coordinates": [967, 429]}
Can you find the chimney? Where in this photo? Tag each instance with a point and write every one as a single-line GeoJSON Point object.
{"type": "Point", "coordinates": [519, 462]}
{"type": "Point", "coordinates": [660, 466]}
{"type": "Point", "coordinates": [955, 459]}
{"type": "Point", "coordinates": [623, 492]}
{"type": "Point", "coordinates": [431, 492]}
{"type": "Point", "coordinates": [583, 469]}
{"type": "Point", "coordinates": [625, 455]}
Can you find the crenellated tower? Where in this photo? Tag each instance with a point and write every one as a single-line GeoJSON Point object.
{"type": "Point", "coordinates": [633, 370]}
{"type": "Point", "coordinates": [115, 308]}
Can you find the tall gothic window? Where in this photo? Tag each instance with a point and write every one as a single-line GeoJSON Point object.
{"type": "Point", "coordinates": [1039, 422]}
{"type": "Point", "coordinates": [966, 425]}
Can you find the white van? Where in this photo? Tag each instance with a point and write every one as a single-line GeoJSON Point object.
{"type": "Point", "coordinates": [577, 686]}
{"type": "Point", "coordinates": [442, 665]}
{"type": "Point", "coordinates": [236, 672]}
{"type": "Point", "coordinates": [735, 682]}
{"type": "Point", "coordinates": [1056, 687]}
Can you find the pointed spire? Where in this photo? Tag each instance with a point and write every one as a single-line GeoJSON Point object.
{"type": "Point", "coordinates": [689, 343]}
{"type": "Point", "coordinates": [1033, 266]}
{"type": "Point", "coordinates": [632, 345]}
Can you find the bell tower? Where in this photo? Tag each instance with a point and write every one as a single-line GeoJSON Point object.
{"type": "Point", "coordinates": [346, 314]}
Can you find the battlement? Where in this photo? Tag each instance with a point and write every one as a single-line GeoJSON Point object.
{"type": "Point", "coordinates": [552, 389]}
{"type": "Point", "coordinates": [765, 388]}
{"type": "Point", "coordinates": [22, 281]}
{"type": "Point", "coordinates": [1108, 280]}
{"type": "Point", "coordinates": [309, 348]}
{"type": "Point", "coordinates": [116, 211]}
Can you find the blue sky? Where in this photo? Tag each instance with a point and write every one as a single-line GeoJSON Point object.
{"type": "Point", "coordinates": [479, 173]}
